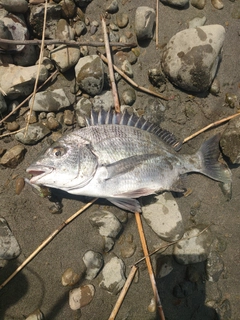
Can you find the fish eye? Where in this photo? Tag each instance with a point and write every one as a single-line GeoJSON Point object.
{"type": "Point", "coordinates": [59, 151]}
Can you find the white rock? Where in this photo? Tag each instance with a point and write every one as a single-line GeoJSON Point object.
{"type": "Point", "coordinates": [19, 81]}
{"type": "Point", "coordinates": [113, 277]}
{"type": "Point", "coordinates": [191, 57]}
{"type": "Point", "coordinates": [164, 217]}
{"type": "Point", "coordinates": [93, 262]}
{"type": "Point", "coordinates": [65, 57]}
{"type": "Point", "coordinates": [194, 247]}
{"type": "Point", "coordinates": [197, 22]}
{"type": "Point", "coordinates": [9, 247]}
{"type": "Point", "coordinates": [144, 22]}
{"type": "Point", "coordinates": [50, 100]}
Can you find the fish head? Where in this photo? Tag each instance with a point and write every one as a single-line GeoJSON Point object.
{"type": "Point", "coordinates": [67, 164]}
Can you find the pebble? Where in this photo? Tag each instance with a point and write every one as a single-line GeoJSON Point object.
{"type": "Point", "coordinates": [68, 117]}
{"type": "Point", "coordinates": [13, 126]}
{"type": "Point", "coordinates": [194, 247]}
{"type": "Point", "coordinates": [113, 7]}
{"type": "Point", "coordinates": [156, 77]}
{"type": "Point", "coordinates": [64, 31]}
{"type": "Point", "coordinates": [197, 22]}
{"type": "Point", "coordinates": [230, 141]}
{"type": "Point", "coordinates": [152, 305]}
{"type": "Point", "coordinates": [9, 248]}
{"type": "Point", "coordinates": [36, 132]}
{"type": "Point", "coordinates": [69, 9]}
{"type": "Point", "coordinates": [127, 68]}
{"type": "Point", "coordinates": [35, 315]}
{"type": "Point", "coordinates": [214, 266]}
{"type": "Point", "coordinates": [89, 74]}
{"type": "Point", "coordinates": [199, 4]}
{"type": "Point", "coordinates": [232, 100]}
{"type": "Point", "coordinates": [191, 57]}
{"type": "Point", "coordinates": [215, 87]}
{"type": "Point", "coordinates": [79, 27]}
{"type": "Point", "coordinates": [48, 101]}
{"type": "Point", "coordinates": [52, 123]}
{"type": "Point", "coordinates": [164, 217]}
{"type": "Point", "coordinates": [19, 185]}
{"type": "Point", "coordinates": [128, 247]}
{"type": "Point", "coordinates": [65, 57]}
{"type": "Point", "coordinates": [122, 20]}
{"type": "Point", "coordinates": [108, 226]}
{"type": "Point", "coordinates": [70, 277]}
{"type": "Point", "coordinates": [217, 4]}
{"type": "Point", "coordinates": [13, 156]}
{"type": "Point", "coordinates": [176, 3]}
{"type": "Point", "coordinates": [113, 275]}
{"type": "Point", "coordinates": [144, 23]}
{"type": "Point", "coordinates": [103, 101]}
{"type": "Point", "coordinates": [80, 297]}
{"type": "Point", "coordinates": [94, 263]}
{"type": "Point", "coordinates": [129, 96]}
{"type": "Point", "coordinates": [19, 81]}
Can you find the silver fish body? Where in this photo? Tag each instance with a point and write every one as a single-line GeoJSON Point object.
{"type": "Point", "coordinates": [121, 163]}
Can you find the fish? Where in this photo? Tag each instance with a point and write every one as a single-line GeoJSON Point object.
{"type": "Point", "coordinates": [121, 157]}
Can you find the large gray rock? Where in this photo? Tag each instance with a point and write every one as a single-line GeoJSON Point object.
{"type": "Point", "coordinates": [90, 75]}
{"type": "Point", "coordinates": [17, 81]}
{"type": "Point", "coordinates": [191, 57]}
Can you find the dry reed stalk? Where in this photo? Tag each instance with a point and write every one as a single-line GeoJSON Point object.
{"type": "Point", "coordinates": [46, 241]}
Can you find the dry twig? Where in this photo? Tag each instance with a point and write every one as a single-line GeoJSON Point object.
{"type": "Point", "coordinates": [131, 81]}
{"type": "Point", "coordinates": [123, 293]}
{"type": "Point", "coordinates": [110, 67]}
{"type": "Point", "coordinates": [39, 65]}
{"type": "Point", "coordinates": [46, 241]}
{"type": "Point", "coordinates": [211, 125]}
{"type": "Point", "coordinates": [70, 43]}
{"type": "Point", "coordinates": [149, 265]}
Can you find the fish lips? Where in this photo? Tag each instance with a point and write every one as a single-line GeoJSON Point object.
{"type": "Point", "coordinates": [38, 172]}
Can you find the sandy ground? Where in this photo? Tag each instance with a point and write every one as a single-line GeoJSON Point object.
{"type": "Point", "coordinates": [39, 284]}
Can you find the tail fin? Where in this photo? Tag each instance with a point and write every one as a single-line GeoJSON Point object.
{"type": "Point", "coordinates": [211, 167]}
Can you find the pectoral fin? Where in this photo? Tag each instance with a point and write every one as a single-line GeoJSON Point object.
{"type": "Point", "coordinates": [126, 203]}
{"type": "Point", "coordinates": [126, 165]}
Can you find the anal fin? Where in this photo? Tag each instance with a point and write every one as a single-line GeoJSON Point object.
{"type": "Point", "coordinates": [128, 204]}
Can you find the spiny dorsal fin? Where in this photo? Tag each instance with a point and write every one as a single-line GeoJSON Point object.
{"type": "Point", "coordinates": [111, 117]}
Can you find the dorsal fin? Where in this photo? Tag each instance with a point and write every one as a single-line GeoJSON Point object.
{"type": "Point", "coordinates": [111, 117]}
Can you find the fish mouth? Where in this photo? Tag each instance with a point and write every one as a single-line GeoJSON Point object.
{"type": "Point", "coordinates": [38, 172]}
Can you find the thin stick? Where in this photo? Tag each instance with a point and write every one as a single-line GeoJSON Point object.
{"type": "Point", "coordinates": [149, 265]}
{"type": "Point", "coordinates": [110, 67]}
{"type": "Point", "coordinates": [214, 124]}
{"type": "Point", "coordinates": [69, 43]}
{"type": "Point", "coordinates": [157, 17]}
{"type": "Point", "coordinates": [46, 241]}
{"type": "Point", "coordinates": [11, 133]}
{"type": "Point", "coordinates": [123, 293]}
{"type": "Point", "coordinates": [131, 81]}
{"type": "Point", "coordinates": [29, 97]}
{"type": "Point", "coordinates": [39, 65]}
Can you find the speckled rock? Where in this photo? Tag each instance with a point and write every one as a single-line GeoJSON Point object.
{"type": "Point", "coordinates": [93, 262]}
{"type": "Point", "coordinates": [19, 81]}
{"type": "Point", "coordinates": [36, 132]}
{"type": "Point", "coordinates": [65, 57]}
{"type": "Point", "coordinates": [144, 23]}
{"type": "Point", "coordinates": [176, 3]}
{"type": "Point", "coordinates": [82, 110]}
{"type": "Point", "coordinates": [191, 57]}
{"type": "Point", "coordinates": [89, 74]}
{"type": "Point", "coordinates": [113, 275]}
{"type": "Point", "coordinates": [9, 248]}
{"type": "Point", "coordinates": [129, 96]}
{"type": "Point", "coordinates": [214, 266]}
{"type": "Point", "coordinates": [194, 247]}
{"type": "Point", "coordinates": [230, 141]}
{"type": "Point", "coordinates": [164, 217]}
{"type": "Point", "coordinates": [104, 100]}
{"type": "Point", "coordinates": [13, 156]}
{"type": "Point", "coordinates": [80, 297]}
{"type": "Point", "coordinates": [50, 100]}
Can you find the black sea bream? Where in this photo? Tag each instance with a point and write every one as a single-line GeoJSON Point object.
{"type": "Point", "coordinates": [121, 157]}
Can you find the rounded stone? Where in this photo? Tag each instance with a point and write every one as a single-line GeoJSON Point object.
{"type": "Point", "coordinates": [80, 297]}
{"type": "Point", "coordinates": [144, 22]}
{"type": "Point", "coordinates": [13, 156]}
